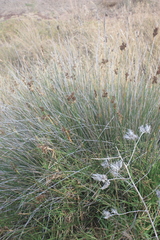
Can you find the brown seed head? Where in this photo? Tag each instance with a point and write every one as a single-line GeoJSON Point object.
{"type": "Point", "coordinates": [155, 31]}
{"type": "Point", "coordinates": [154, 80]}
{"type": "Point", "coordinates": [71, 98]}
{"type": "Point", "coordinates": [126, 76]}
{"type": "Point", "coordinates": [123, 46]}
{"type": "Point", "coordinates": [116, 71]}
{"type": "Point", "coordinates": [105, 94]}
{"type": "Point", "coordinates": [104, 61]}
{"type": "Point", "coordinates": [158, 70]}
{"type": "Point", "coordinates": [95, 93]}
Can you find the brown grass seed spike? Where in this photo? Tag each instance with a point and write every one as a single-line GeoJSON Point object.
{"type": "Point", "coordinates": [155, 31]}
{"type": "Point", "coordinates": [123, 46]}
{"type": "Point", "coordinates": [95, 93]}
{"type": "Point", "coordinates": [105, 94]}
{"type": "Point", "coordinates": [154, 80]}
{"type": "Point", "coordinates": [158, 70]}
{"type": "Point", "coordinates": [71, 98]}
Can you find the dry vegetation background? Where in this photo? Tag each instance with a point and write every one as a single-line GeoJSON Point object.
{"type": "Point", "coordinates": [57, 9]}
{"type": "Point", "coordinates": [28, 29]}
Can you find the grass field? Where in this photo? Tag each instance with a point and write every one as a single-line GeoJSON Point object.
{"type": "Point", "coordinates": [79, 127]}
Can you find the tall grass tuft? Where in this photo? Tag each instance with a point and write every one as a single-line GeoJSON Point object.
{"type": "Point", "coordinates": [73, 92]}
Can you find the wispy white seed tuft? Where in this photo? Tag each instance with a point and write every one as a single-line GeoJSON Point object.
{"type": "Point", "coordinates": [106, 185]}
{"type": "Point", "coordinates": [105, 164]}
{"type": "Point", "coordinates": [145, 129]}
{"type": "Point", "coordinates": [107, 214]}
{"type": "Point", "coordinates": [130, 135]}
{"type": "Point", "coordinates": [115, 167]}
{"type": "Point", "coordinates": [100, 177]}
{"type": "Point", "coordinates": [114, 211]}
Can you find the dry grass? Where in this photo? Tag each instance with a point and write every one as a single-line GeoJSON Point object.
{"type": "Point", "coordinates": [27, 40]}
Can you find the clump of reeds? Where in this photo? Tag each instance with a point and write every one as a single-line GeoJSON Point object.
{"type": "Point", "coordinates": [60, 115]}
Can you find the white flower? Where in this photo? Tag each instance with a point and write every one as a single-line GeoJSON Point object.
{"type": "Point", "coordinates": [100, 177]}
{"type": "Point", "coordinates": [106, 185]}
{"type": "Point", "coordinates": [105, 164]}
{"type": "Point", "coordinates": [145, 129]}
{"type": "Point", "coordinates": [106, 214]}
{"type": "Point", "coordinates": [130, 135]}
{"type": "Point", "coordinates": [114, 211]}
{"type": "Point", "coordinates": [115, 167]}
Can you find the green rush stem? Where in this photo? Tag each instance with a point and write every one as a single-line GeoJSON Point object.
{"type": "Point", "coordinates": [146, 208]}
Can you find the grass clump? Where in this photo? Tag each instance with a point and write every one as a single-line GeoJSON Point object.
{"type": "Point", "coordinates": [65, 116]}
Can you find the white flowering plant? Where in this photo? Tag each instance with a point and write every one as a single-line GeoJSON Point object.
{"type": "Point", "coordinates": [115, 169]}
